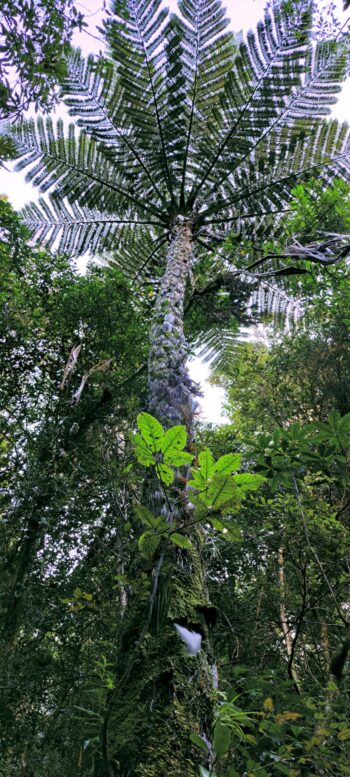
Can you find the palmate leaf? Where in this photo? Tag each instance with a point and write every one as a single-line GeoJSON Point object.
{"type": "Point", "coordinates": [151, 431]}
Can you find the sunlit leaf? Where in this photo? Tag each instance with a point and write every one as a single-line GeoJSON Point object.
{"type": "Point", "coordinates": [178, 458]}
{"type": "Point", "coordinates": [165, 473]}
{"type": "Point", "coordinates": [228, 463]}
{"type": "Point", "coordinates": [143, 451]}
{"type": "Point", "coordinates": [206, 463]}
{"type": "Point", "coordinates": [151, 430]}
{"type": "Point", "coordinates": [174, 440]}
{"type": "Point", "coordinates": [249, 482]}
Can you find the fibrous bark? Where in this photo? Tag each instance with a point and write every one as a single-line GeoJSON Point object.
{"type": "Point", "coordinates": [172, 392]}
{"type": "Point", "coordinates": [166, 694]}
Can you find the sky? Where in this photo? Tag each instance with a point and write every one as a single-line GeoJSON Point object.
{"type": "Point", "coordinates": [244, 14]}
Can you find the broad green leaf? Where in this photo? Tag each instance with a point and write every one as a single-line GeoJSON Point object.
{"type": "Point", "coordinates": [344, 424]}
{"type": "Point", "coordinates": [249, 482]}
{"type": "Point", "coordinates": [228, 463]}
{"type": "Point", "coordinates": [334, 419]}
{"type": "Point", "coordinates": [148, 544]}
{"type": "Point", "coordinates": [143, 452]}
{"type": "Point", "coordinates": [200, 506]}
{"type": "Point", "coordinates": [197, 480]}
{"type": "Point", "coordinates": [222, 489]}
{"type": "Point", "coordinates": [204, 772]}
{"type": "Point", "coordinates": [151, 430]}
{"type": "Point", "coordinates": [178, 458]}
{"type": "Point", "coordinates": [174, 440]}
{"type": "Point", "coordinates": [197, 740]}
{"type": "Point", "coordinates": [145, 515]}
{"type": "Point", "coordinates": [206, 463]}
{"type": "Point", "coordinates": [165, 474]}
{"type": "Point", "coordinates": [180, 540]}
{"type": "Point", "coordinates": [222, 739]}
{"type": "Point", "coordinates": [344, 734]}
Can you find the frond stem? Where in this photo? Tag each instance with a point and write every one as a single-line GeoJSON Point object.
{"type": "Point", "coordinates": [155, 103]}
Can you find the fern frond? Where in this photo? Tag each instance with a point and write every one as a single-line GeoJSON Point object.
{"type": "Point", "coordinates": [276, 86]}
{"type": "Point", "coordinates": [92, 91]}
{"type": "Point", "coordinates": [77, 169]}
{"type": "Point", "coordinates": [208, 54]}
{"type": "Point", "coordinates": [263, 183]}
{"type": "Point", "coordinates": [73, 229]}
{"type": "Point", "coordinates": [135, 35]}
{"type": "Point", "coordinates": [182, 124]}
{"type": "Point", "coordinates": [271, 299]}
{"type": "Point", "coordinates": [220, 345]}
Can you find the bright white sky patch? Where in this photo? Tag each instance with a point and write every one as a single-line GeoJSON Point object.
{"type": "Point", "coordinates": [214, 397]}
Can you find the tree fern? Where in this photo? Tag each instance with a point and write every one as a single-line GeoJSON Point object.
{"type": "Point", "coordinates": [181, 123]}
{"type": "Point", "coordinates": [183, 140]}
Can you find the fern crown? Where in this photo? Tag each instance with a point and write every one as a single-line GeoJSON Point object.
{"type": "Point", "coordinates": [181, 120]}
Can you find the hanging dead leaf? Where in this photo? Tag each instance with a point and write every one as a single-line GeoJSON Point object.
{"type": "Point", "coordinates": [72, 360]}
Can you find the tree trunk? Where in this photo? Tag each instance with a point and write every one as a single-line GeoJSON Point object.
{"type": "Point", "coordinates": [172, 392]}
{"type": "Point", "coordinates": [284, 620]}
{"type": "Point", "coordinates": [163, 694]}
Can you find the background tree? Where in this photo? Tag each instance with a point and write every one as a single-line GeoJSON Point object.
{"type": "Point", "coordinates": [34, 43]}
{"type": "Point", "coordinates": [282, 588]}
{"type": "Point", "coordinates": [62, 488]}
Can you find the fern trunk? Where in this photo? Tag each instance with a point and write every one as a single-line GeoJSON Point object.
{"type": "Point", "coordinates": [172, 392]}
{"type": "Point", "coordinates": [166, 694]}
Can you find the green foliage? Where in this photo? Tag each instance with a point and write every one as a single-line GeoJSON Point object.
{"type": "Point", "coordinates": [173, 89]}
{"type": "Point", "coordinates": [315, 208]}
{"type": "Point", "coordinates": [288, 566]}
{"type": "Point", "coordinates": [34, 43]}
{"type": "Point", "coordinates": [213, 484]}
{"type": "Point", "coordinates": [182, 123]}
{"type": "Point", "coordinates": [62, 462]}
{"type": "Point", "coordinates": [216, 486]}
{"type": "Point", "coordinates": [162, 450]}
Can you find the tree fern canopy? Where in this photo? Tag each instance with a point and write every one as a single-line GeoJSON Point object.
{"type": "Point", "coordinates": [180, 120]}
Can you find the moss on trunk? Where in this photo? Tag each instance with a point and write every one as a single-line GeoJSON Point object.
{"type": "Point", "coordinates": [168, 694]}
{"type": "Point", "coordinates": [164, 694]}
